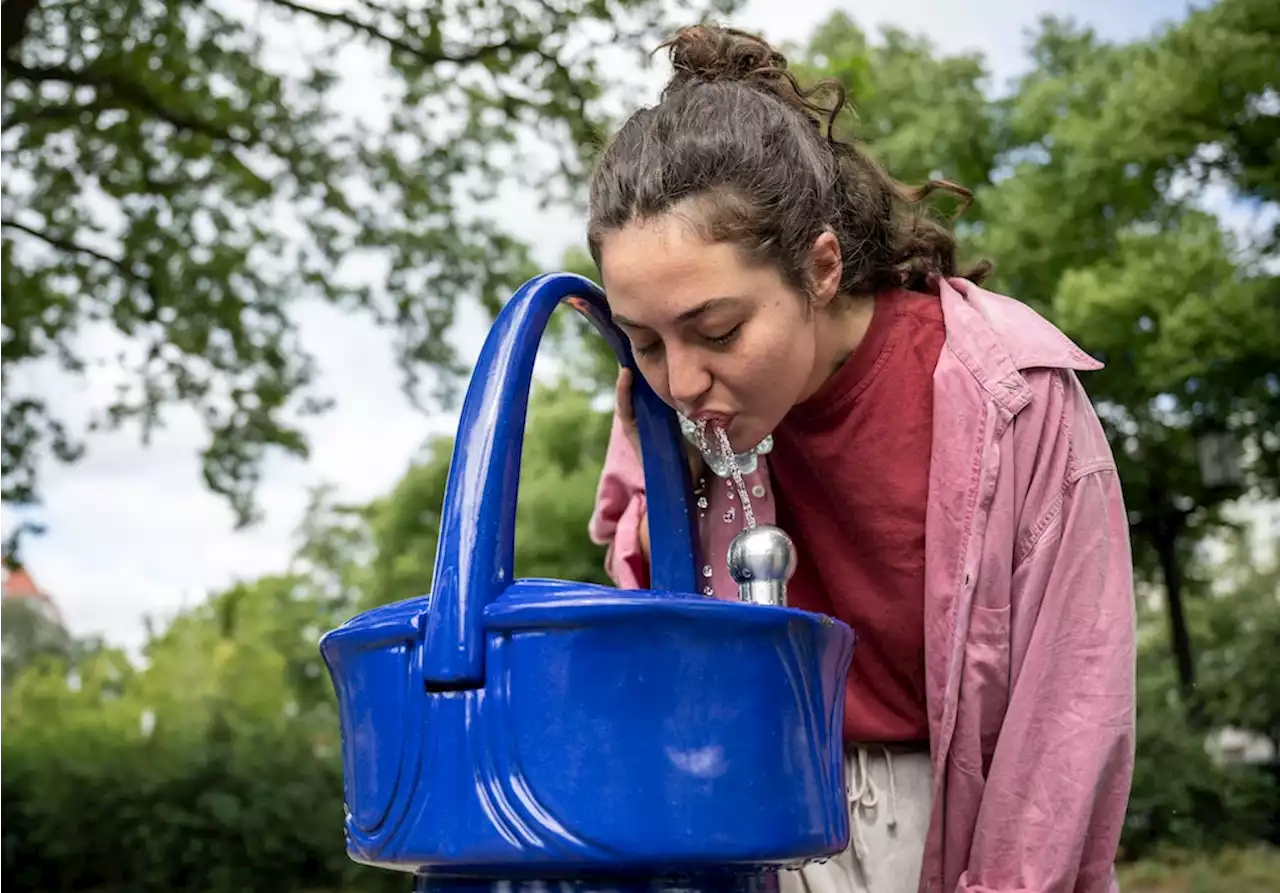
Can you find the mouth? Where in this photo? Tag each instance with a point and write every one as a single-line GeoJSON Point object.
{"type": "Point", "coordinates": [713, 419]}
{"type": "Point", "coordinates": [710, 424]}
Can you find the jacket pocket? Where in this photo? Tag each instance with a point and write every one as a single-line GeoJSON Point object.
{"type": "Point", "coordinates": [984, 689]}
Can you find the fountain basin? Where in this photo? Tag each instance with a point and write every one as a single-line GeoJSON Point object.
{"type": "Point", "coordinates": [614, 730]}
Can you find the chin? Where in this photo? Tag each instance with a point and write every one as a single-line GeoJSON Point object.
{"type": "Point", "coordinates": [744, 436]}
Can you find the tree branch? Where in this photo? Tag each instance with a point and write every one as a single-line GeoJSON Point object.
{"type": "Point", "coordinates": [33, 113]}
{"type": "Point", "coordinates": [478, 54]}
{"type": "Point", "coordinates": [128, 92]}
{"type": "Point", "coordinates": [342, 18]}
{"type": "Point", "coordinates": [72, 247]}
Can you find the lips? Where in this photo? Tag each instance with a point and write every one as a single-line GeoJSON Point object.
{"type": "Point", "coordinates": [716, 422]}
{"type": "Point", "coordinates": [719, 419]}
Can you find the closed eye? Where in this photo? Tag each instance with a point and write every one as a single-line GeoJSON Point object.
{"type": "Point", "coordinates": [649, 350]}
{"type": "Point", "coordinates": [727, 338]}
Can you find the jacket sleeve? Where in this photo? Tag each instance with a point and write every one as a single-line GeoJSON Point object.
{"type": "Point", "coordinates": [1054, 801]}
{"type": "Point", "coordinates": [619, 511]}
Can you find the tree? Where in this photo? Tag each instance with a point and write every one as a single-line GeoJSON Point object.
{"type": "Point", "coordinates": [923, 115]}
{"type": "Point", "coordinates": [219, 758]}
{"type": "Point", "coordinates": [1102, 225]}
{"type": "Point", "coordinates": [1090, 181]}
{"type": "Point", "coordinates": [1189, 343]}
{"type": "Point", "coordinates": [168, 185]}
{"type": "Point", "coordinates": [30, 634]}
{"type": "Point", "coordinates": [588, 359]}
{"type": "Point", "coordinates": [564, 447]}
{"type": "Point", "coordinates": [1184, 797]}
{"type": "Point", "coordinates": [1238, 621]}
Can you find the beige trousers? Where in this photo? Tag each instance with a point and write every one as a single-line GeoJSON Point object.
{"type": "Point", "coordinates": [890, 801]}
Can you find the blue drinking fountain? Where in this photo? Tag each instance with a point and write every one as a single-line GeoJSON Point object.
{"type": "Point", "coordinates": [523, 735]}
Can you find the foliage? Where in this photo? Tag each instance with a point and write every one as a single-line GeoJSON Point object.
{"type": "Point", "coordinates": [179, 179]}
{"type": "Point", "coordinates": [1090, 179]}
{"type": "Point", "coordinates": [1087, 178]}
{"type": "Point", "coordinates": [1098, 222]}
{"type": "Point", "coordinates": [897, 86]}
{"type": "Point", "coordinates": [1238, 622]}
{"type": "Point", "coordinates": [1256, 869]}
{"type": "Point", "coordinates": [105, 808]}
{"type": "Point", "coordinates": [1182, 796]}
{"type": "Point", "coordinates": [588, 358]}
{"type": "Point", "coordinates": [30, 635]}
{"type": "Point", "coordinates": [218, 760]}
{"type": "Point", "coordinates": [564, 448]}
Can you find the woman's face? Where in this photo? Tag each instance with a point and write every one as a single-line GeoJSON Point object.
{"type": "Point", "coordinates": [717, 338]}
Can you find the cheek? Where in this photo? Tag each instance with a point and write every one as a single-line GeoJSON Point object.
{"type": "Point", "coordinates": [777, 357]}
{"type": "Point", "coordinates": [654, 372]}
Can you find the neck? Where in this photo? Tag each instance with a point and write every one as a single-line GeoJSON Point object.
{"type": "Point", "coordinates": [839, 334]}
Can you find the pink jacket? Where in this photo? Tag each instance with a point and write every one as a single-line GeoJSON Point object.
{"type": "Point", "coordinates": [1029, 615]}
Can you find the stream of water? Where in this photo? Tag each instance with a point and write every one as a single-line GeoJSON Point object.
{"type": "Point", "coordinates": [725, 449]}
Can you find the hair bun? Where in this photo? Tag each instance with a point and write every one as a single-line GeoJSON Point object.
{"type": "Point", "coordinates": [705, 53]}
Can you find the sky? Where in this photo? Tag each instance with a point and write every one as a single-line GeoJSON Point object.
{"type": "Point", "coordinates": [132, 532]}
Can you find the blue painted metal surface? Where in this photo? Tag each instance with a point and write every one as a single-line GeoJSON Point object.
{"type": "Point", "coordinates": [702, 882]}
{"type": "Point", "coordinates": [502, 729]}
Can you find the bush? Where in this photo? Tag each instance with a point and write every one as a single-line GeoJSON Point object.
{"type": "Point", "coordinates": [247, 814]}
{"type": "Point", "coordinates": [1181, 798]}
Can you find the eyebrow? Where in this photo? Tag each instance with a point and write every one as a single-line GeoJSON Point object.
{"type": "Point", "coordinates": [689, 315]}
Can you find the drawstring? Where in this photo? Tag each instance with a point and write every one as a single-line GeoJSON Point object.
{"type": "Point", "coordinates": [865, 796]}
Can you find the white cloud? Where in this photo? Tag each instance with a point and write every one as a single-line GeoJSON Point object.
{"type": "Point", "coordinates": [133, 532]}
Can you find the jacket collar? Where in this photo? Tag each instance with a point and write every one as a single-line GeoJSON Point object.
{"type": "Point", "coordinates": [997, 338]}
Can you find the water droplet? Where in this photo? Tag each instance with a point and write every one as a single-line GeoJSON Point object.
{"type": "Point", "coordinates": [731, 496]}
{"type": "Point", "coordinates": [708, 591]}
{"type": "Point", "coordinates": [702, 502]}
{"type": "Point", "coordinates": [758, 491]}
{"type": "Point", "coordinates": [706, 570]}
{"type": "Point", "coordinates": [730, 514]}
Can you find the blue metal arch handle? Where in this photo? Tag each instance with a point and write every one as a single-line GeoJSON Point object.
{"type": "Point", "coordinates": [475, 555]}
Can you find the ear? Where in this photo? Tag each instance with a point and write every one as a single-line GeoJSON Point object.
{"type": "Point", "coordinates": [825, 269]}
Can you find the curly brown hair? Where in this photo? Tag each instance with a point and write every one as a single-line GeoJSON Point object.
{"type": "Point", "coordinates": [749, 157]}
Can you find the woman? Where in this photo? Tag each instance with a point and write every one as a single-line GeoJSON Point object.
{"type": "Point", "coordinates": [949, 488]}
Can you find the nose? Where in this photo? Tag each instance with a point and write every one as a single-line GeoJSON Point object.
{"type": "Point", "coordinates": [688, 379]}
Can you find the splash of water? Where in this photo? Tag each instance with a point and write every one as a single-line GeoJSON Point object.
{"type": "Point", "coordinates": [726, 450]}
{"type": "Point", "coordinates": [704, 445]}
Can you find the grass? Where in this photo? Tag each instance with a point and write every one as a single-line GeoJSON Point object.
{"type": "Point", "coordinates": [1251, 870]}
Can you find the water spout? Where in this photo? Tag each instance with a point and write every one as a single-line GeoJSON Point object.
{"type": "Point", "coordinates": [762, 559]}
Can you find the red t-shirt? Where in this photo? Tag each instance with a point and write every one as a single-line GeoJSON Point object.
{"type": "Point", "coordinates": [850, 470]}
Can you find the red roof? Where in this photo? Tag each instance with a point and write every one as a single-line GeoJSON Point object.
{"type": "Point", "coordinates": [18, 583]}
